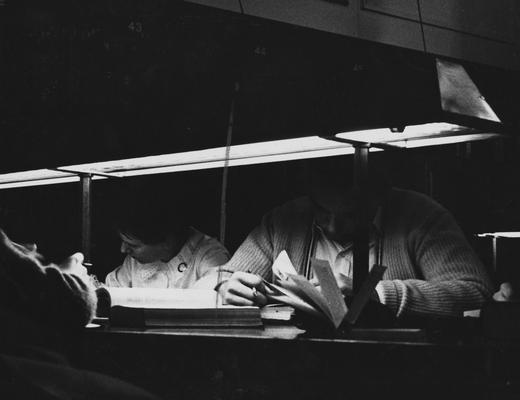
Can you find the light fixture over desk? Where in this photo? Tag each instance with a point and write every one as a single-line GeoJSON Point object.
{"type": "Point", "coordinates": [247, 154]}
{"type": "Point", "coordinates": [38, 177]}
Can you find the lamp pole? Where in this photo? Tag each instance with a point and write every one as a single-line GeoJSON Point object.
{"type": "Point", "coordinates": [360, 255]}
{"type": "Point", "coordinates": [86, 208]}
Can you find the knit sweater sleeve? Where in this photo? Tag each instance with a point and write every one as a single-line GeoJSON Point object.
{"type": "Point", "coordinates": [449, 277]}
{"type": "Point", "coordinates": [255, 254]}
{"type": "Point", "coordinates": [43, 293]}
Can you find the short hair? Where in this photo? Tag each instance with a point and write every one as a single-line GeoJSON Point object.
{"type": "Point", "coordinates": [150, 216]}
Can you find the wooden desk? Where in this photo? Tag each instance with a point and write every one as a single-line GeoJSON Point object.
{"type": "Point", "coordinates": [272, 363]}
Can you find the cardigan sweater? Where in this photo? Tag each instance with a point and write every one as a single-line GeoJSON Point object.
{"type": "Point", "coordinates": [431, 268]}
{"type": "Point", "coordinates": [39, 304]}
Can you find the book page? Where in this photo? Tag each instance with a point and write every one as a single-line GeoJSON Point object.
{"type": "Point", "coordinates": [307, 289]}
{"type": "Point", "coordinates": [307, 295]}
{"type": "Point", "coordinates": [330, 291]}
{"type": "Point", "coordinates": [283, 267]}
{"type": "Point", "coordinates": [285, 296]}
{"type": "Point", "coordinates": [162, 298]}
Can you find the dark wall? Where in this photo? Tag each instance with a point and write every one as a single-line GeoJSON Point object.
{"type": "Point", "coordinates": [97, 80]}
{"type": "Point", "coordinates": [479, 185]}
{"type": "Point", "coordinates": [84, 81]}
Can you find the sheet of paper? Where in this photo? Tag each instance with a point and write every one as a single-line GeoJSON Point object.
{"type": "Point", "coordinates": [299, 290]}
{"type": "Point", "coordinates": [310, 291]}
{"type": "Point", "coordinates": [283, 267]}
{"type": "Point", "coordinates": [282, 295]}
{"type": "Point", "coordinates": [330, 291]}
{"type": "Point", "coordinates": [277, 312]}
{"type": "Point", "coordinates": [304, 295]}
{"type": "Point", "coordinates": [162, 298]}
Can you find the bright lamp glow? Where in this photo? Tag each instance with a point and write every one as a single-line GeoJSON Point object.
{"type": "Point", "coordinates": [511, 235]}
{"type": "Point", "coordinates": [245, 154]}
{"type": "Point", "coordinates": [437, 141]}
{"type": "Point", "coordinates": [39, 182]}
{"type": "Point", "coordinates": [412, 132]}
{"type": "Point", "coordinates": [413, 136]}
{"type": "Point", "coordinates": [37, 177]}
{"type": "Point", "coordinates": [37, 174]}
{"type": "Point", "coordinates": [431, 134]}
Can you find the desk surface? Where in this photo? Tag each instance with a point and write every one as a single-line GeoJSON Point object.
{"type": "Point", "coordinates": [283, 361]}
{"type": "Point", "coordinates": [455, 335]}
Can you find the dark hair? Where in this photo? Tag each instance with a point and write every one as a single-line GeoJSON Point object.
{"type": "Point", "coordinates": [150, 216]}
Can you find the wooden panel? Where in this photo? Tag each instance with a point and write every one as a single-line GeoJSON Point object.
{"type": "Point", "coordinates": [316, 14]}
{"type": "Point", "coordinates": [231, 5]}
{"type": "Point", "coordinates": [390, 30]}
{"type": "Point", "coordinates": [471, 48]}
{"type": "Point", "coordinates": [445, 42]}
{"type": "Point", "coordinates": [498, 19]}
{"type": "Point", "coordinates": [397, 8]}
{"type": "Point", "coordinates": [495, 19]}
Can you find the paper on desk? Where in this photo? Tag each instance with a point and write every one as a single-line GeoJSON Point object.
{"type": "Point", "coordinates": [162, 298]}
{"type": "Point", "coordinates": [277, 312]}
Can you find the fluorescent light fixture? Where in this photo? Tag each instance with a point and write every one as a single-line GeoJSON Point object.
{"type": "Point", "coordinates": [38, 182]}
{"type": "Point", "coordinates": [386, 135]}
{"type": "Point", "coordinates": [38, 177]}
{"type": "Point", "coordinates": [509, 235]}
{"type": "Point", "coordinates": [245, 154]}
{"type": "Point", "coordinates": [281, 150]}
{"type": "Point", "coordinates": [436, 141]}
{"type": "Point", "coordinates": [423, 135]}
{"type": "Point", "coordinates": [38, 174]}
{"type": "Point", "coordinates": [35, 178]}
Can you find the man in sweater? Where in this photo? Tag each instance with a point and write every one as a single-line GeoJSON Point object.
{"type": "Point", "coordinates": [431, 268]}
{"type": "Point", "coordinates": [44, 309]}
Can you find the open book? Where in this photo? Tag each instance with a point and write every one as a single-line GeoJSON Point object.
{"type": "Point", "coordinates": [149, 307]}
{"type": "Point", "coordinates": [328, 302]}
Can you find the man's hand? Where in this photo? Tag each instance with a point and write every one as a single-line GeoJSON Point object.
{"type": "Point", "coordinates": [345, 285]}
{"type": "Point", "coordinates": [29, 249]}
{"type": "Point", "coordinates": [505, 293]}
{"type": "Point", "coordinates": [74, 265]}
{"type": "Point", "coordinates": [243, 289]}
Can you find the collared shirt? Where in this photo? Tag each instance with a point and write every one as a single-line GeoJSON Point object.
{"type": "Point", "coordinates": [199, 255]}
{"type": "Point", "coordinates": [340, 256]}
{"type": "Point", "coordinates": [431, 267]}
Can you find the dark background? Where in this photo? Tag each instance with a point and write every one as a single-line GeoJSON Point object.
{"type": "Point", "coordinates": [100, 80]}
